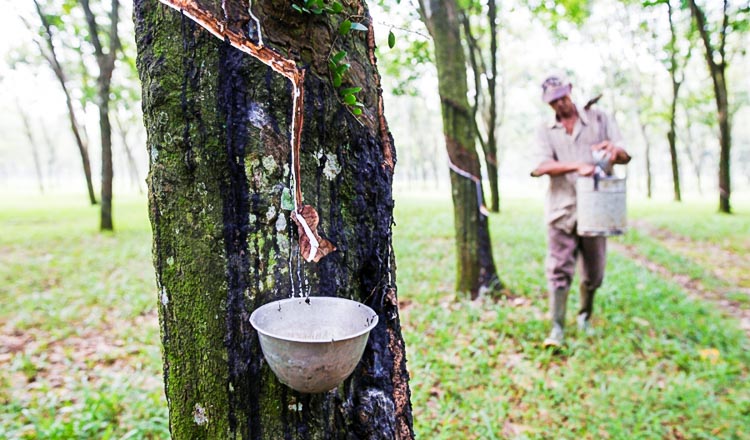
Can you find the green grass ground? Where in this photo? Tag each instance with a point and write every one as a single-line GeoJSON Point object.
{"type": "Point", "coordinates": [79, 344]}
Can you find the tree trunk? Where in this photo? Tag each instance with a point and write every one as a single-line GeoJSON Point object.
{"type": "Point", "coordinates": [105, 128]}
{"type": "Point", "coordinates": [61, 78]}
{"type": "Point", "coordinates": [717, 70]}
{"type": "Point", "coordinates": [132, 167]}
{"type": "Point", "coordinates": [695, 159]}
{"type": "Point", "coordinates": [722, 105]}
{"type": "Point", "coordinates": [106, 63]}
{"type": "Point", "coordinates": [647, 154]}
{"type": "Point", "coordinates": [672, 138]}
{"type": "Point", "coordinates": [672, 134]}
{"type": "Point", "coordinates": [33, 145]}
{"type": "Point", "coordinates": [218, 122]}
{"type": "Point", "coordinates": [491, 153]}
{"type": "Point", "coordinates": [475, 264]}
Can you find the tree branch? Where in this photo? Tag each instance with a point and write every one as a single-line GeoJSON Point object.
{"type": "Point", "coordinates": [473, 49]}
{"type": "Point", "coordinates": [93, 28]}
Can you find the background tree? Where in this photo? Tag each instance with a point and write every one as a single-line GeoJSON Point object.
{"type": "Point", "coordinates": [715, 44]}
{"type": "Point", "coordinates": [52, 26]}
{"type": "Point", "coordinates": [106, 43]}
{"type": "Point", "coordinates": [475, 264]}
{"type": "Point", "coordinates": [217, 120]}
{"type": "Point", "coordinates": [485, 105]}
{"type": "Point", "coordinates": [677, 55]}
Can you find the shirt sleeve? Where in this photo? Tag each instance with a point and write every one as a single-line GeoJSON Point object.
{"type": "Point", "coordinates": [544, 151]}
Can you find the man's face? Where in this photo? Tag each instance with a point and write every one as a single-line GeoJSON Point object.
{"type": "Point", "coordinates": [563, 107]}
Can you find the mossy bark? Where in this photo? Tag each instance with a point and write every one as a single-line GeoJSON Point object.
{"type": "Point", "coordinates": [475, 265]}
{"type": "Point", "coordinates": [218, 124]}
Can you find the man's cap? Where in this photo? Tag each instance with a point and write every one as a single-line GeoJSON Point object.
{"type": "Point", "coordinates": [555, 87]}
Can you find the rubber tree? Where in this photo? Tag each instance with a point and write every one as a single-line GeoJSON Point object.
{"type": "Point", "coordinates": [677, 76]}
{"type": "Point", "coordinates": [716, 60]}
{"type": "Point", "coordinates": [241, 125]}
{"type": "Point", "coordinates": [475, 264]}
{"type": "Point", "coordinates": [49, 52]}
{"type": "Point", "coordinates": [106, 44]}
{"type": "Point", "coordinates": [485, 95]}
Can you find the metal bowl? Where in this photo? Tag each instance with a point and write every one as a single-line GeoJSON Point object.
{"type": "Point", "coordinates": [313, 344]}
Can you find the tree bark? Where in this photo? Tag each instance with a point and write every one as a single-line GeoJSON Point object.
{"type": "Point", "coordinates": [33, 145]}
{"type": "Point", "coordinates": [218, 124]}
{"type": "Point", "coordinates": [672, 133]}
{"type": "Point", "coordinates": [106, 63]}
{"type": "Point", "coordinates": [56, 67]}
{"type": "Point", "coordinates": [475, 264]}
{"type": "Point", "coordinates": [647, 155]}
{"type": "Point", "coordinates": [672, 139]}
{"type": "Point", "coordinates": [717, 69]}
{"type": "Point", "coordinates": [132, 167]}
{"type": "Point", "coordinates": [491, 153]}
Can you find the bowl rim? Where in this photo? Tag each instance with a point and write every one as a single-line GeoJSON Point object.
{"type": "Point", "coordinates": [276, 303]}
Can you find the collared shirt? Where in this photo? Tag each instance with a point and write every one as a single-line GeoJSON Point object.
{"type": "Point", "coordinates": [593, 126]}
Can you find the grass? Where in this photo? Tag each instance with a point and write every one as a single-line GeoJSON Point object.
{"type": "Point", "coordinates": [478, 370]}
{"type": "Point", "coordinates": [79, 354]}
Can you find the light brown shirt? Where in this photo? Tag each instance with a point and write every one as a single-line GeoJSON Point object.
{"type": "Point", "coordinates": [593, 126]}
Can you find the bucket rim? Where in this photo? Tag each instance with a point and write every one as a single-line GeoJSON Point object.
{"type": "Point", "coordinates": [372, 321]}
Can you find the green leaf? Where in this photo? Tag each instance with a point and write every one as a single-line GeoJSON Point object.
{"type": "Point", "coordinates": [359, 27]}
{"type": "Point", "coordinates": [297, 8]}
{"type": "Point", "coordinates": [351, 90]}
{"type": "Point", "coordinates": [350, 99]}
{"type": "Point", "coordinates": [357, 111]}
{"type": "Point", "coordinates": [346, 25]}
{"type": "Point", "coordinates": [336, 80]}
{"type": "Point", "coordinates": [391, 39]}
{"type": "Point", "coordinates": [338, 57]}
{"type": "Point", "coordinates": [331, 66]}
{"type": "Point", "coordinates": [336, 8]}
{"type": "Point", "coordinates": [341, 68]}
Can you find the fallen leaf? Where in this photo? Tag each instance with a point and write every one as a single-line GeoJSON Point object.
{"type": "Point", "coordinates": [710, 354]}
{"type": "Point", "coordinates": [312, 246]}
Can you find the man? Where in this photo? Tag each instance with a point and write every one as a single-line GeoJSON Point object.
{"type": "Point", "coordinates": [579, 142]}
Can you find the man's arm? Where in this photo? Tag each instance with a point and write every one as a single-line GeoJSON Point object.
{"type": "Point", "coordinates": [616, 154]}
{"type": "Point", "coordinates": [555, 168]}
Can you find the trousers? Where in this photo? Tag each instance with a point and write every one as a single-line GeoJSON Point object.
{"type": "Point", "coordinates": [564, 250]}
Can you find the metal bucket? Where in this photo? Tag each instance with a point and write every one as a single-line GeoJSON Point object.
{"type": "Point", "coordinates": [313, 344]}
{"type": "Point", "coordinates": [601, 206]}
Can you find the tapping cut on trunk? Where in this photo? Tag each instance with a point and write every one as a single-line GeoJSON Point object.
{"type": "Point", "coordinates": [312, 246]}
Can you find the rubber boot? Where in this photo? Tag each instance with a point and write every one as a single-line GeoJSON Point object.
{"type": "Point", "coordinates": [587, 306]}
{"type": "Point", "coordinates": [558, 300]}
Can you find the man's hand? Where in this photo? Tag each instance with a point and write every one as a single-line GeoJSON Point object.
{"type": "Point", "coordinates": [615, 154]}
{"type": "Point", "coordinates": [586, 169]}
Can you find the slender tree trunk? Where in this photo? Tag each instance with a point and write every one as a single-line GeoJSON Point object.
{"type": "Point", "coordinates": [33, 145]}
{"type": "Point", "coordinates": [672, 134]}
{"type": "Point", "coordinates": [475, 264]}
{"type": "Point", "coordinates": [106, 63]}
{"type": "Point", "coordinates": [219, 127]}
{"type": "Point", "coordinates": [647, 154]}
{"type": "Point", "coordinates": [717, 69]}
{"type": "Point", "coordinates": [695, 159]}
{"type": "Point", "coordinates": [722, 104]}
{"type": "Point", "coordinates": [132, 167]}
{"type": "Point", "coordinates": [105, 127]}
{"type": "Point", "coordinates": [61, 78]}
{"type": "Point", "coordinates": [672, 138]}
{"type": "Point", "coordinates": [491, 154]}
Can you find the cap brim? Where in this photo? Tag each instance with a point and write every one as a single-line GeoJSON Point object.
{"type": "Point", "coordinates": [557, 93]}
